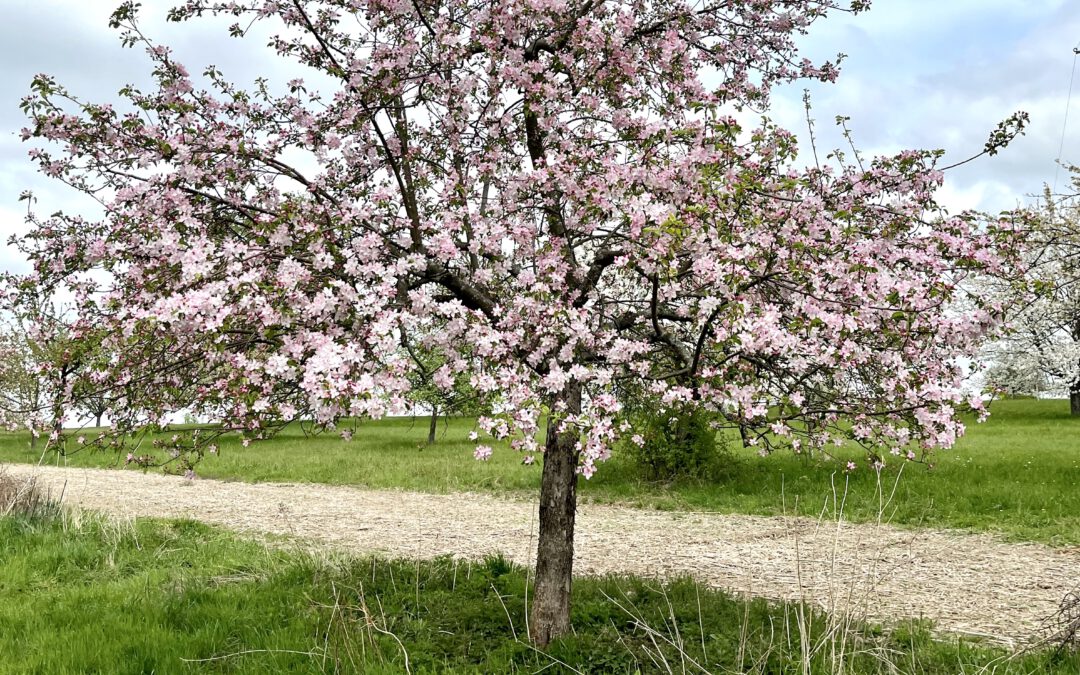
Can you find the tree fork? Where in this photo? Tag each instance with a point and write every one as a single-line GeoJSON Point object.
{"type": "Point", "coordinates": [555, 545]}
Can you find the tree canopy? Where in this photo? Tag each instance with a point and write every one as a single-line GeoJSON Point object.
{"type": "Point", "coordinates": [1040, 352]}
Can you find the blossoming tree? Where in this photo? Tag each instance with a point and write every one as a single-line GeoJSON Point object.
{"type": "Point", "coordinates": [552, 192]}
{"type": "Point", "coordinates": [1040, 352]}
{"type": "Point", "coordinates": [32, 344]}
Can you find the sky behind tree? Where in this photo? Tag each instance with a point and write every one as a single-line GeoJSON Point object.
{"type": "Point", "coordinates": [918, 74]}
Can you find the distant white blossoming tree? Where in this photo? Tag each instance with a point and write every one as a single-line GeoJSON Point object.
{"type": "Point", "coordinates": [1040, 354]}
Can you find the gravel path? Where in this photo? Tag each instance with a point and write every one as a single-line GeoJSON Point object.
{"type": "Point", "coordinates": [966, 583]}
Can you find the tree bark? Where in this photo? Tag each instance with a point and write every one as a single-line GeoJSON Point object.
{"type": "Point", "coordinates": [97, 421]}
{"type": "Point", "coordinates": [555, 545]}
{"type": "Point", "coordinates": [434, 424]}
{"type": "Point", "coordinates": [1074, 390]}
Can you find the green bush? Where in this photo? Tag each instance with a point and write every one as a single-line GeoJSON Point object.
{"type": "Point", "coordinates": [677, 444]}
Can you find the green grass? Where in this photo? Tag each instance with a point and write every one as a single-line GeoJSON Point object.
{"type": "Point", "coordinates": [1017, 474]}
{"type": "Point", "coordinates": [80, 594]}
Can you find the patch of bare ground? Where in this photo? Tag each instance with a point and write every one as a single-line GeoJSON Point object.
{"type": "Point", "coordinates": [965, 583]}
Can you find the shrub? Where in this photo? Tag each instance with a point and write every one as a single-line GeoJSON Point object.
{"type": "Point", "coordinates": [677, 444]}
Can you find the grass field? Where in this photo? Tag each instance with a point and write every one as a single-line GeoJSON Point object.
{"type": "Point", "coordinates": [1017, 474]}
{"type": "Point", "coordinates": [80, 594]}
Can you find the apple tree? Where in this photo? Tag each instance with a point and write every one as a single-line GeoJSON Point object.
{"type": "Point", "coordinates": [564, 194]}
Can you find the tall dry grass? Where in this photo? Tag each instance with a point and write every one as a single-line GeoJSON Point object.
{"type": "Point", "coordinates": [23, 497]}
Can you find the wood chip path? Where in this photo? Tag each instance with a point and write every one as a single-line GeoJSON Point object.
{"type": "Point", "coordinates": [973, 584]}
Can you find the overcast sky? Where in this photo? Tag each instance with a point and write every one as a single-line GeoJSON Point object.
{"type": "Point", "coordinates": [919, 74]}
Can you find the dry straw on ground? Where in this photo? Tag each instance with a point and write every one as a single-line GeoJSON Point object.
{"type": "Point", "coordinates": [1061, 630]}
{"type": "Point", "coordinates": [971, 584]}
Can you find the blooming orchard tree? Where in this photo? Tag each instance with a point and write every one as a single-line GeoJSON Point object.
{"type": "Point", "coordinates": [1040, 353]}
{"type": "Point", "coordinates": [441, 384]}
{"type": "Point", "coordinates": [441, 388]}
{"type": "Point", "coordinates": [34, 380]}
{"type": "Point", "coordinates": [552, 192]}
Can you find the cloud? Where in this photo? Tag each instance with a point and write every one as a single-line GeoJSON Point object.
{"type": "Point", "coordinates": [73, 42]}
{"type": "Point", "coordinates": [936, 74]}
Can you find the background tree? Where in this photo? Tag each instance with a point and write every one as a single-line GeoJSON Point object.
{"type": "Point", "coordinates": [443, 386]}
{"type": "Point", "coordinates": [22, 385]}
{"type": "Point", "coordinates": [94, 404]}
{"type": "Point", "coordinates": [35, 366]}
{"type": "Point", "coordinates": [1040, 353]}
{"type": "Point", "coordinates": [90, 393]}
{"type": "Point", "coordinates": [552, 184]}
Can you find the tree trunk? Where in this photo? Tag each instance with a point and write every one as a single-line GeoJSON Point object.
{"type": "Point", "coordinates": [555, 545]}
{"type": "Point", "coordinates": [1074, 390]}
{"type": "Point", "coordinates": [434, 424]}
{"type": "Point", "coordinates": [97, 421]}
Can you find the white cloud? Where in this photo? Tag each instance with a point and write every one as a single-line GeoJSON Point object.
{"type": "Point", "coordinates": [941, 74]}
{"type": "Point", "coordinates": [976, 196]}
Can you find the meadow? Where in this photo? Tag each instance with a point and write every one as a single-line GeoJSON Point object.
{"type": "Point", "coordinates": [1016, 475]}
{"type": "Point", "coordinates": [82, 594]}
